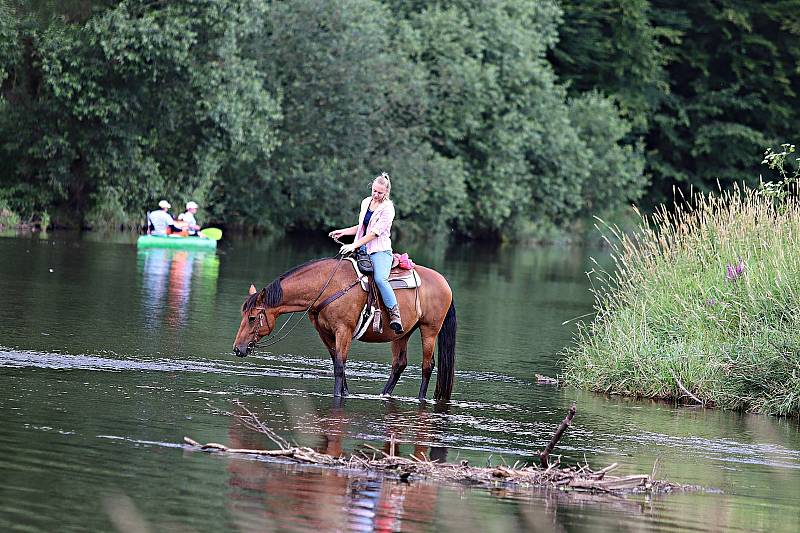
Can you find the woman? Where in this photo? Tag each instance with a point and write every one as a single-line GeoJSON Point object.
{"type": "Point", "coordinates": [372, 232]}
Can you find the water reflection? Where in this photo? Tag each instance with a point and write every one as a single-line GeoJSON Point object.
{"type": "Point", "coordinates": [310, 498]}
{"type": "Point", "coordinates": [167, 277]}
{"type": "Point", "coordinates": [424, 432]}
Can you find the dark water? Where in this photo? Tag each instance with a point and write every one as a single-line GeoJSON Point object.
{"type": "Point", "coordinates": [109, 357]}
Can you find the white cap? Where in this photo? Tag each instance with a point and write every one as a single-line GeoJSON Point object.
{"type": "Point", "coordinates": [191, 205]}
{"type": "Point", "coordinates": [163, 204]}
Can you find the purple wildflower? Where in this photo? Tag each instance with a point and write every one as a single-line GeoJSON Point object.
{"type": "Point", "coordinates": [740, 267]}
{"type": "Point", "coordinates": [711, 301]}
{"type": "Point", "coordinates": [734, 272]}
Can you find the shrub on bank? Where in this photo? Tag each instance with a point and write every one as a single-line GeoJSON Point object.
{"type": "Point", "coordinates": [703, 306]}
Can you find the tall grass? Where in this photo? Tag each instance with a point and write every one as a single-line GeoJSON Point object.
{"type": "Point", "coordinates": [677, 320]}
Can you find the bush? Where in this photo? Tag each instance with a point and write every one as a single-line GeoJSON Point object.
{"type": "Point", "coordinates": [8, 218]}
{"type": "Point", "coordinates": [705, 301]}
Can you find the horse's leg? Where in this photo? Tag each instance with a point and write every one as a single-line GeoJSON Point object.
{"type": "Point", "coordinates": [343, 341]}
{"type": "Point", "coordinates": [330, 343]}
{"type": "Point", "coordinates": [428, 335]}
{"type": "Point", "coordinates": [399, 362]}
{"type": "Point", "coordinates": [327, 339]}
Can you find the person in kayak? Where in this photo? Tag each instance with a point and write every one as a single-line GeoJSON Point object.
{"type": "Point", "coordinates": [161, 221]}
{"type": "Point", "coordinates": [192, 226]}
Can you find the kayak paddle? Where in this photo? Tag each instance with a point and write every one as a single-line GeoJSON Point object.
{"type": "Point", "coordinates": [211, 233]}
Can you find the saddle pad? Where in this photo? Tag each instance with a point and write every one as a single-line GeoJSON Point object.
{"type": "Point", "coordinates": [404, 279]}
{"type": "Point", "coordinates": [399, 278]}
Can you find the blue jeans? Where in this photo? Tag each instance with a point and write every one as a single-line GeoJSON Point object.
{"type": "Point", "coordinates": [382, 263]}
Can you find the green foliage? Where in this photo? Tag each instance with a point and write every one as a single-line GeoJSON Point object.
{"type": "Point", "coordinates": [498, 110]}
{"type": "Point", "coordinates": [708, 84]}
{"type": "Point", "coordinates": [616, 169]}
{"type": "Point", "coordinates": [703, 299]}
{"type": "Point", "coordinates": [8, 218]}
{"type": "Point", "coordinates": [277, 115]}
{"type": "Point", "coordinates": [155, 102]}
{"type": "Point", "coordinates": [616, 47]}
{"type": "Point", "coordinates": [9, 43]}
{"type": "Point", "coordinates": [733, 89]}
{"type": "Point", "coordinates": [353, 105]}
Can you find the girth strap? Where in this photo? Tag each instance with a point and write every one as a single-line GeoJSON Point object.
{"type": "Point", "coordinates": [335, 296]}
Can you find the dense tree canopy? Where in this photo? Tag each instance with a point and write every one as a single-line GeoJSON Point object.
{"type": "Point", "coordinates": [509, 118]}
{"type": "Point", "coordinates": [132, 105]}
{"type": "Point", "coordinates": [709, 85]}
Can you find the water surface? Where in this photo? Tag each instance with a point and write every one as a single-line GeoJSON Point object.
{"type": "Point", "coordinates": [109, 357]}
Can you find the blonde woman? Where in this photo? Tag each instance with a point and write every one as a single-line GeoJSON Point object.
{"type": "Point", "coordinates": [373, 233]}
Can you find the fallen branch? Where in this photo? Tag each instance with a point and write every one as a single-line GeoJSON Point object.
{"type": "Point", "coordinates": [685, 390]}
{"type": "Point", "coordinates": [578, 478]}
{"type": "Point", "coordinates": [552, 444]}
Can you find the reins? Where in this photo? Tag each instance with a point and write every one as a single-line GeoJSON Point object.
{"type": "Point", "coordinates": [271, 340]}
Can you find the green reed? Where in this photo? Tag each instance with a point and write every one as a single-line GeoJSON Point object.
{"type": "Point", "coordinates": [705, 299]}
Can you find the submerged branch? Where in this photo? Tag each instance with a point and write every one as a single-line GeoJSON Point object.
{"type": "Point", "coordinates": [579, 477]}
{"type": "Point", "coordinates": [556, 437]}
{"type": "Point", "coordinates": [685, 390]}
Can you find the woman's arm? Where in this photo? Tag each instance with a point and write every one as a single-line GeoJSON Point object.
{"type": "Point", "coordinates": [382, 226]}
{"type": "Point", "coordinates": [383, 222]}
{"type": "Point", "coordinates": [364, 240]}
{"type": "Point", "coordinates": [335, 234]}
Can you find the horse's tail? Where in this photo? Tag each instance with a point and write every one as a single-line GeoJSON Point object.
{"type": "Point", "coordinates": [446, 340]}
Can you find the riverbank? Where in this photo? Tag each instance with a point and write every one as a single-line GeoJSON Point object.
{"type": "Point", "coordinates": [703, 307]}
{"type": "Point", "coordinates": [578, 233]}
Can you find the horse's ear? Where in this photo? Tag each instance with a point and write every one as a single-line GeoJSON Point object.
{"type": "Point", "coordinates": [262, 297]}
{"type": "Point", "coordinates": [252, 290]}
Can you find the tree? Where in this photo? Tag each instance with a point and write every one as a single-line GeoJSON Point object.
{"type": "Point", "coordinates": [733, 87]}
{"type": "Point", "coordinates": [353, 106]}
{"type": "Point", "coordinates": [615, 47]}
{"type": "Point", "coordinates": [141, 101]}
{"type": "Point", "coordinates": [498, 110]}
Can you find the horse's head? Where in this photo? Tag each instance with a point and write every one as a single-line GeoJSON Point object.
{"type": "Point", "coordinates": [257, 322]}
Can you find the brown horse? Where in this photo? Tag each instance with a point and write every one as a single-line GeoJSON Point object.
{"type": "Point", "coordinates": [308, 286]}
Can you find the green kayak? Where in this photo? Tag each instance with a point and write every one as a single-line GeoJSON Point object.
{"type": "Point", "coordinates": [185, 243]}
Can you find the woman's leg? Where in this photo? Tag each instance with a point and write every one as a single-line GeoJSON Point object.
{"type": "Point", "coordinates": [382, 263]}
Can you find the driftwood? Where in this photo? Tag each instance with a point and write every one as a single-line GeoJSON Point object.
{"type": "Point", "coordinates": [545, 380]}
{"type": "Point", "coordinates": [685, 390]}
{"type": "Point", "coordinates": [572, 478]}
{"type": "Point", "coordinates": [556, 437]}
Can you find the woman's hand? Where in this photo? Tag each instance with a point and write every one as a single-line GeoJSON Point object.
{"type": "Point", "coordinates": [335, 234]}
{"type": "Point", "coordinates": [347, 248]}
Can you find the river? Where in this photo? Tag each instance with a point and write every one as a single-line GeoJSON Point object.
{"type": "Point", "coordinates": [109, 357]}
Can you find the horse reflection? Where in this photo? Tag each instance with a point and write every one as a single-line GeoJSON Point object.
{"type": "Point", "coordinates": [428, 427]}
{"type": "Point", "coordinates": [269, 496]}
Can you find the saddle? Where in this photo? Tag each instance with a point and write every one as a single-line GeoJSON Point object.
{"type": "Point", "coordinates": [399, 278]}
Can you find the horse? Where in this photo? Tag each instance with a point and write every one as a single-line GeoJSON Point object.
{"type": "Point", "coordinates": [327, 290]}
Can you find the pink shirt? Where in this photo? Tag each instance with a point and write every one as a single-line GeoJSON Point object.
{"type": "Point", "coordinates": [380, 224]}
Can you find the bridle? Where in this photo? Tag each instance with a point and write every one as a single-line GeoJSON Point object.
{"type": "Point", "coordinates": [270, 339]}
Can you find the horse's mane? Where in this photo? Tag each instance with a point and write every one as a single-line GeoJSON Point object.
{"type": "Point", "coordinates": [274, 291]}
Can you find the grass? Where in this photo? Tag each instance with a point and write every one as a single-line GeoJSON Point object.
{"type": "Point", "coordinates": [8, 218]}
{"type": "Point", "coordinates": [676, 316]}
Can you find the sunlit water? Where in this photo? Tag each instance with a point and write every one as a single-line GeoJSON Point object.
{"type": "Point", "coordinates": [109, 357]}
